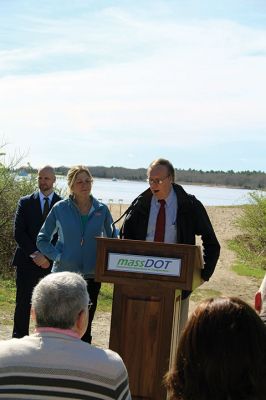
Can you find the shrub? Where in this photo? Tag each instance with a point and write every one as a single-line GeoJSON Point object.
{"type": "Point", "coordinates": [11, 189]}
{"type": "Point", "coordinates": [250, 245]}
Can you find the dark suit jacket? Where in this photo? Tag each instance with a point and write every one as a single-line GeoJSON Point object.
{"type": "Point", "coordinates": [192, 220]}
{"type": "Point", "coordinates": [28, 222]}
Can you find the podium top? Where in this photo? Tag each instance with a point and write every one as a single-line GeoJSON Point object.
{"type": "Point", "coordinates": [144, 263]}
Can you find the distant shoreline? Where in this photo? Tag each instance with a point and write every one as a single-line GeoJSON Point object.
{"type": "Point", "coordinates": [250, 180]}
{"type": "Point", "coordinates": [179, 183]}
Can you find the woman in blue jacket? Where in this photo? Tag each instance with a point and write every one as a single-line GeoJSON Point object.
{"type": "Point", "coordinates": [77, 221]}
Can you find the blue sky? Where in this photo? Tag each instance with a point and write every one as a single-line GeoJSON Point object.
{"type": "Point", "coordinates": [124, 82]}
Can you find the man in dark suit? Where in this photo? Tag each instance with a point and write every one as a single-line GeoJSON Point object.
{"type": "Point", "coordinates": [166, 213]}
{"type": "Point", "coordinates": [30, 264]}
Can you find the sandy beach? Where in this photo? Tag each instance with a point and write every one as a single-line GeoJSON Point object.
{"type": "Point", "coordinates": [223, 282]}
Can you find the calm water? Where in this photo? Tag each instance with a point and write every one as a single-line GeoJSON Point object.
{"type": "Point", "coordinates": [125, 192]}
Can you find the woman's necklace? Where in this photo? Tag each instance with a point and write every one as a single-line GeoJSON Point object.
{"type": "Point", "coordinates": [84, 208]}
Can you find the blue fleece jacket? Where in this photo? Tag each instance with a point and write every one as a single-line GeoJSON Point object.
{"type": "Point", "coordinates": [75, 249]}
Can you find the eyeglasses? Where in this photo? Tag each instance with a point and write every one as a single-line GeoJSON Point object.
{"type": "Point", "coordinates": [89, 307]}
{"type": "Point", "coordinates": [156, 180]}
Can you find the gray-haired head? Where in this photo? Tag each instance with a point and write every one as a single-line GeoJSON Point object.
{"type": "Point", "coordinates": [58, 299]}
{"type": "Point", "coordinates": [166, 163]}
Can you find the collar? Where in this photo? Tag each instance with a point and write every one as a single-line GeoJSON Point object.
{"type": "Point", "coordinates": [42, 196]}
{"type": "Point", "coordinates": [67, 332]}
{"type": "Point", "coordinates": [94, 205]}
{"type": "Point", "coordinates": [169, 200]}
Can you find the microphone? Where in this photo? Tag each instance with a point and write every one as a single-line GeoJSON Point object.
{"type": "Point", "coordinates": [133, 204]}
{"type": "Point", "coordinates": [128, 210]}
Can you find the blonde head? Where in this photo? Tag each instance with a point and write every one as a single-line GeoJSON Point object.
{"type": "Point", "coordinates": [72, 175]}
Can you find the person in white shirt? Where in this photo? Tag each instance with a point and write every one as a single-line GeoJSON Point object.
{"type": "Point", "coordinates": [54, 362]}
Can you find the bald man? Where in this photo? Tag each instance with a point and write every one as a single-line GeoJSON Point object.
{"type": "Point", "coordinates": [30, 264]}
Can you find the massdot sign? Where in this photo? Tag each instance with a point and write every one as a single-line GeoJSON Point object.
{"type": "Point", "coordinates": [144, 264]}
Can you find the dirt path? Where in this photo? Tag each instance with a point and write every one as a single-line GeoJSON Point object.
{"type": "Point", "coordinates": [224, 281]}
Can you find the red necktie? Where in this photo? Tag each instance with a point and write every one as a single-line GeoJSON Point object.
{"type": "Point", "coordinates": [160, 223]}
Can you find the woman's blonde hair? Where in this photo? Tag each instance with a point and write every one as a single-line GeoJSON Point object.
{"type": "Point", "coordinates": [72, 175]}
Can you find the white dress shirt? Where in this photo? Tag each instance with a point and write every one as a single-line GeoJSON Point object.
{"type": "Point", "coordinates": [170, 218]}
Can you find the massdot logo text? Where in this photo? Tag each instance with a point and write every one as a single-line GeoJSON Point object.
{"type": "Point", "coordinates": [148, 263]}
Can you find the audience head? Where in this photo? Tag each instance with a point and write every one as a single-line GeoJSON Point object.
{"type": "Point", "coordinates": [60, 300]}
{"type": "Point", "coordinates": [221, 354]}
{"type": "Point", "coordinates": [76, 176]}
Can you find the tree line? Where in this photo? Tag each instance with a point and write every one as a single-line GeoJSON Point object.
{"type": "Point", "coordinates": [243, 179]}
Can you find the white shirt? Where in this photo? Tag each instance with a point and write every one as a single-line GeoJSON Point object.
{"type": "Point", "coordinates": [170, 218]}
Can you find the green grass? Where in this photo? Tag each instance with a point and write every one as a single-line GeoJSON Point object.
{"type": "Point", "coordinates": [241, 267]}
{"type": "Point", "coordinates": [105, 298]}
{"type": "Point", "coordinates": [7, 301]}
{"type": "Point", "coordinates": [202, 294]}
{"type": "Point", "coordinates": [246, 270]}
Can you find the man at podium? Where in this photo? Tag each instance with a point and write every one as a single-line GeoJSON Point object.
{"type": "Point", "coordinates": [166, 213]}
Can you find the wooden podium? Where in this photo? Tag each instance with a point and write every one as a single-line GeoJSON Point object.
{"type": "Point", "coordinates": [148, 279]}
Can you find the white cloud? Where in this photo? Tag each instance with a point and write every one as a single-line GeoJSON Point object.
{"type": "Point", "coordinates": [197, 83]}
